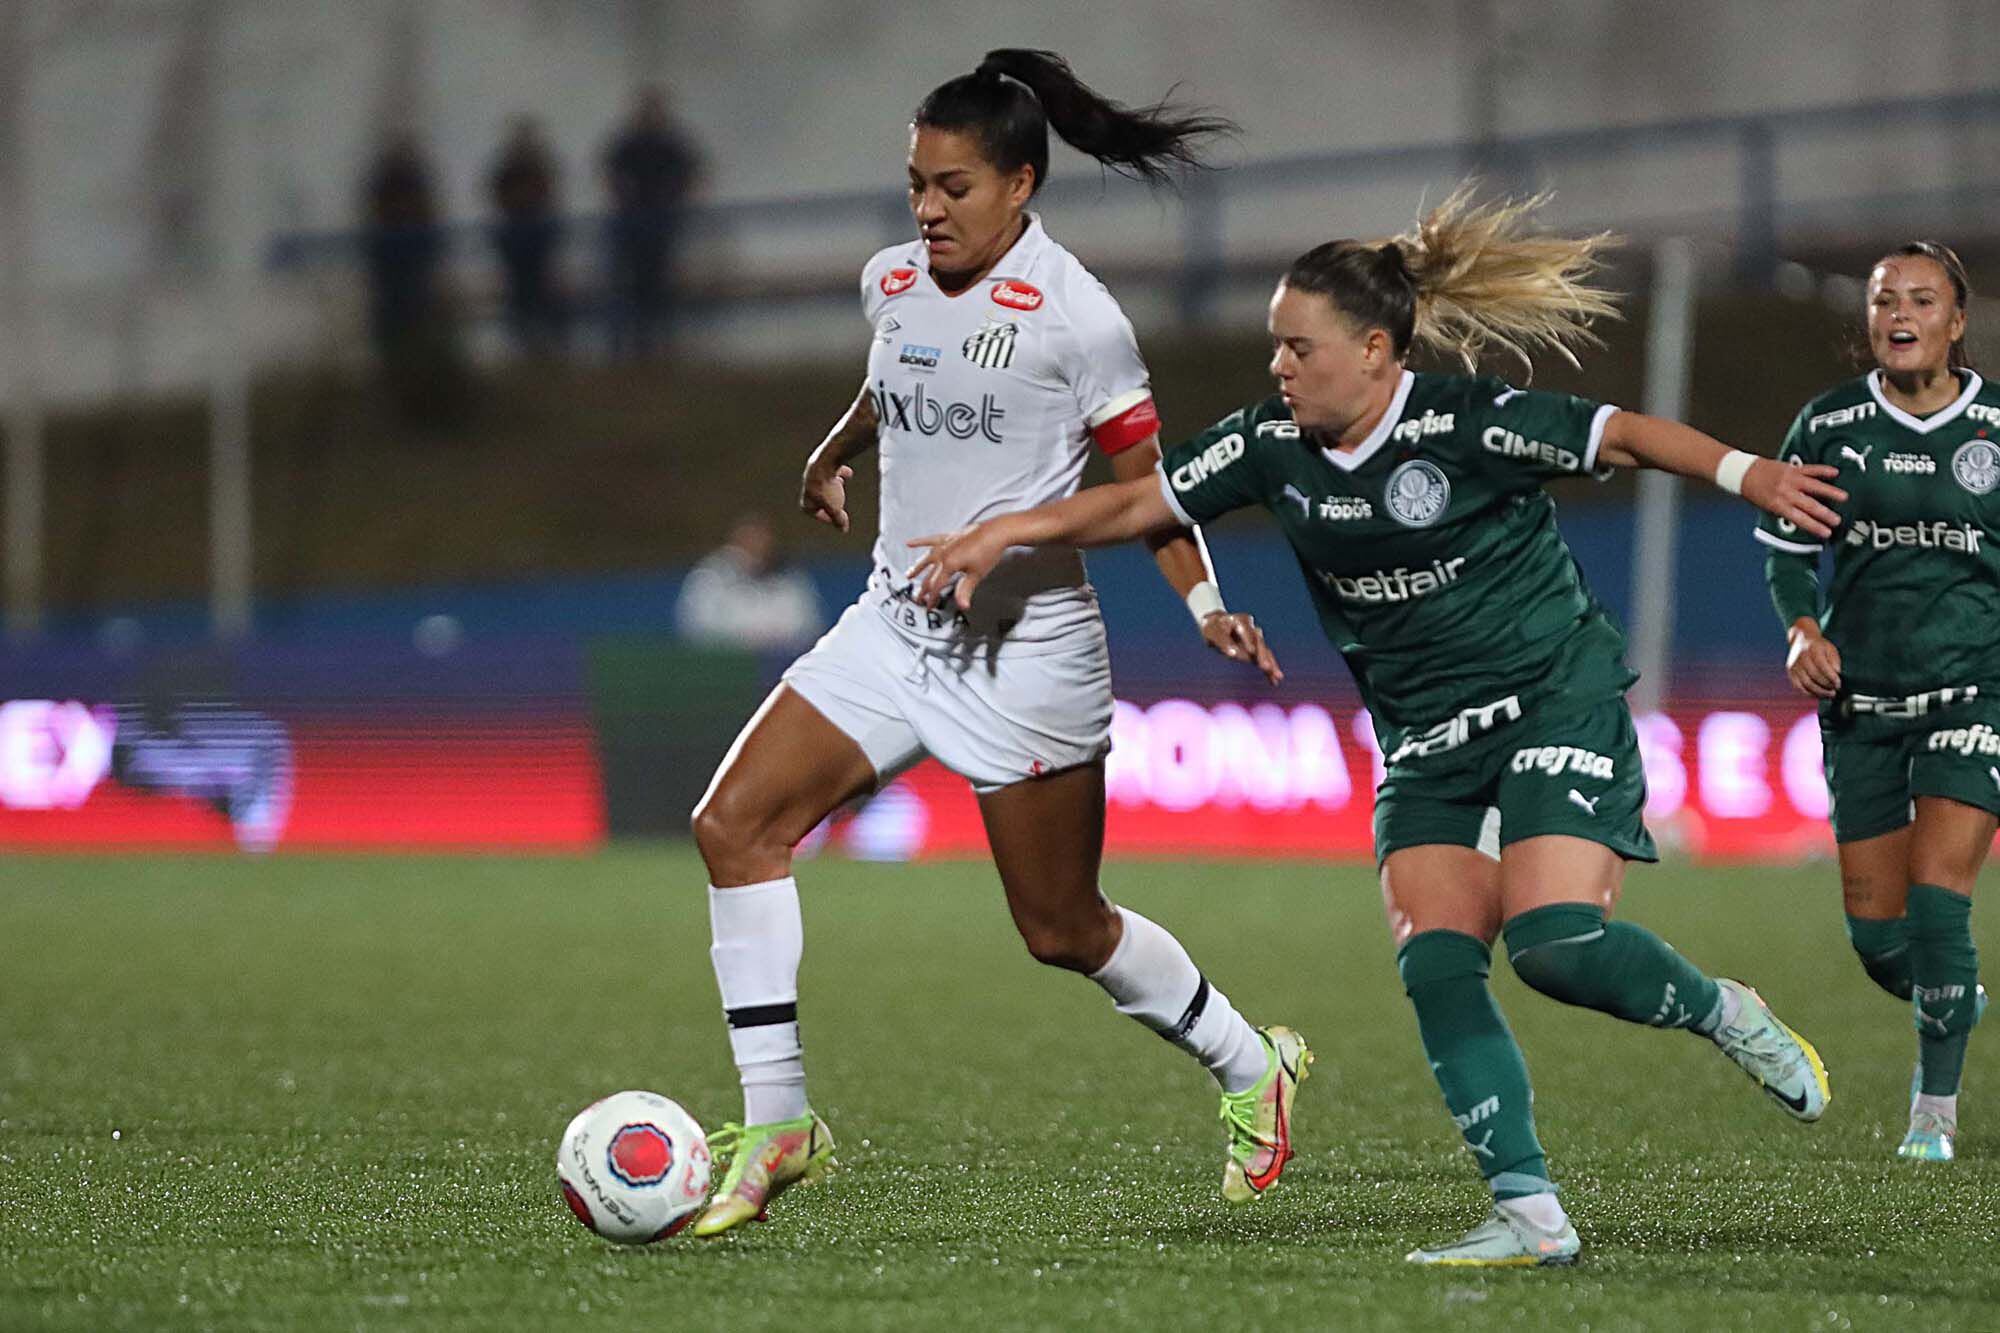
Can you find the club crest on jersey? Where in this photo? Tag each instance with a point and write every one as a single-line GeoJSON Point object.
{"type": "Point", "coordinates": [898, 280]}
{"type": "Point", "coordinates": [992, 347]}
{"type": "Point", "coordinates": [1976, 465]}
{"type": "Point", "coordinates": [1017, 295]}
{"type": "Point", "coordinates": [1417, 494]}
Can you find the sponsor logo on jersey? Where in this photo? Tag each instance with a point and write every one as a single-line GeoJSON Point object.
{"type": "Point", "coordinates": [1456, 731]}
{"type": "Point", "coordinates": [1845, 416]}
{"type": "Point", "coordinates": [898, 280]}
{"type": "Point", "coordinates": [1344, 508]}
{"type": "Point", "coordinates": [1976, 465]}
{"type": "Point", "coordinates": [992, 347]}
{"type": "Point", "coordinates": [924, 358]}
{"type": "Point", "coordinates": [1910, 705]}
{"type": "Point", "coordinates": [1977, 739]}
{"type": "Point", "coordinates": [1416, 428]}
{"type": "Point", "coordinates": [922, 414]}
{"type": "Point", "coordinates": [1914, 465]}
{"type": "Point", "coordinates": [1278, 430]}
{"type": "Point", "coordinates": [1860, 457]}
{"type": "Point", "coordinates": [1401, 584]}
{"type": "Point", "coordinates": [1417, 494]}
{"type": "Point", "coordinates": [1208, 462]}
{"type": "Point", "coordinates": [1983, 412]}
{"type": "Point", "coordinates": [1510, 444]}
{"type": "Point", "coordinates": [1554, 759]}
{"type": "Point", "coordinates": [1017, 295]}
{"type": "Point", "coordinates": [1938, 536]}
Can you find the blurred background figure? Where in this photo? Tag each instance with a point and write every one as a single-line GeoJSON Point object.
{"type": "Point", "coordinates": [525, 188]}
{"type": "Point", "coordinates": [408, 318]}
{"type": "Point", "coordinates": [652, 170]}
{"type": "Point", "coordinates": [745, 595]}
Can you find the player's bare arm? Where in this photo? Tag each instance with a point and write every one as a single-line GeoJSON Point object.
{"type": "Point", "coordinates": [823, 489]}
{"type": "Point", "coordinates": [1797, 494]}
{"type": "Point", "coordinates": [1183, 561]}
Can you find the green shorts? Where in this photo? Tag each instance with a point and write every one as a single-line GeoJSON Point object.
{"type": "Point", "coordinates": [1559, 768]}
{"type": "Point", "coordinates": [1876, 767]}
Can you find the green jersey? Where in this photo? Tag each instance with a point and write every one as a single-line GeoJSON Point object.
{"type": "Point", "coordinates": [1914, 603]}
{"type": "Point", "coordinates": [1431, 549]}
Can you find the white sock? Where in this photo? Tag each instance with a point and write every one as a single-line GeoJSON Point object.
{"type": "Point", "coordinates": [1947, 1107]}
{"type": "Point", "coordinates": [1152, 979]}
{"type": "Point", "coordinates": [1540, 1211]}
{"type": "Point", "coordinates": [758, 940]}
{"type": "Point", "coordinates": [1728, 1008]}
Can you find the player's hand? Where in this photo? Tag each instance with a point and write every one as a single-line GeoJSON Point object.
{"type": "Point", "coordinates": [964, 557]}
{"type": "Point", "coordinates": [823, 492]}
{"type": "Point", "coordinates": [1235, 635]}
{"type": "Point", "coordinates": [1811, 661]}
{"type": "Point", "coordinates": [1798, 494]}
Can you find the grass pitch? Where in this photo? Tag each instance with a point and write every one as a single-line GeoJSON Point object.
{"type": "Point", "coordinates": [326, 1093]}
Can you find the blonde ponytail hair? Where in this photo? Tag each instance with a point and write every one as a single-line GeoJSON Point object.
{"type": "Point", "coordinates": [1468, 278]}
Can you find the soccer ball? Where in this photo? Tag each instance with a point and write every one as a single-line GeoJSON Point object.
{"type": "Point", "coordinates": [634, 1167]}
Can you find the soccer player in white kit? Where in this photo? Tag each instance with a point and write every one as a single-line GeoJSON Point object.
{"type": "Point", "coordinates": [997, 363]}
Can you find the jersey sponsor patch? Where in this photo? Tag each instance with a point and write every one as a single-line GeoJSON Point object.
{"type": "Point", "coordinates": [1913, 465]}
{"type": "Point", "coordinates": [1208, 462]}
{"type": "Point", "coordinates": [1417, 493]}
{"type": "Point", "coordinates": [1976, 466]}
{"type": "Point", "coordinates": [923, 358]}
{"type": "Point", "coordinates": [1554, 759]}
{"type": "Point", "coordinates": [898, 280]}
{"type": "Point", "coordinates": [1845, 416]}
{"type": "Point", "coordinates": [1137, 422]}
{"type": "Point", "coordinates": [1017, 295]}
{"type": "Point", "coordinates": [992, 347]}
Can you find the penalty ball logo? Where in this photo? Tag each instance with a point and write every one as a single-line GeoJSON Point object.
{"type": "Point", "coordinates": [640, 1155]}
{"type": "Point", "coordinates": [1977, 466]}
{"type": "Point", "coordinates": [1417, 494]}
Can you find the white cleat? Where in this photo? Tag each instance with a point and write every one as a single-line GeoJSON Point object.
{"type": "Point", "coordinates": [1504, 1241]}
{"type": "Point", "coordinates": [1783, 1063]}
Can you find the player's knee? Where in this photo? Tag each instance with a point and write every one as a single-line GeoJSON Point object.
{"type": "Point", "coordinates": [1074, 946]}
{"type": "Point", "coordinates": [733, 840]}
{"type": "Point", "coordinates": [1550, 948]}
{"type": "Point", "coordinates": [1883, 946]}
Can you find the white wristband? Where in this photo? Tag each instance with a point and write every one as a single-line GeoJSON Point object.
{"type": "Point", "coordinates": [1730, 471]}
{"type": "Point", "coordinates": [1204, 600]}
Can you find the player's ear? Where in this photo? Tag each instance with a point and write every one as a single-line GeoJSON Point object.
{"type": "Point", "coordinates": [1021, 185]}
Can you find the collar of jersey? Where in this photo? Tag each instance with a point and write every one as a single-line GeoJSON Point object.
{"type": "Point", "coordinates": [1020, 257]}
{"type": "Point", "coordinates": [1925, 425]}
{"type": "Point", "coordinates": [1350, 459]}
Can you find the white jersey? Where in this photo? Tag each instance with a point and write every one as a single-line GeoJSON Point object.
{"type": "Point", "coordinates": [988, 402]}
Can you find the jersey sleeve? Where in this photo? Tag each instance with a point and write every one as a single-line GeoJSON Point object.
{"type": "Point", "coordinates": [1777, 533]}
{"type": "Point", "coordinates": [1106, 372]}
{"type": "Point", "coordinates": [1527, 436]}
{"type": "Point", "coordinates": [1205, 477]}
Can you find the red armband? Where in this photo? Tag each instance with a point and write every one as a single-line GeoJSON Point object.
{"type": "Point", "coordinates": [1116, 434]}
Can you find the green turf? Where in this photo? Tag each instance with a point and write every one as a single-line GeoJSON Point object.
{"type": "Point", "coordinates": [326, 1093]}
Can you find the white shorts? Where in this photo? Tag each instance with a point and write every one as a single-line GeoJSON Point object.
{"type": "Point", "coordinates": [993, 718]}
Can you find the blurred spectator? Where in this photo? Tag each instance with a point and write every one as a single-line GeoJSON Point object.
{"type": "Point", "coordinates": [651, 169]}
{"type": "Point", "coordinates": [407, 315]}
{"type": "Point", "coordinates": [524, 188]}
{"type": "Point", "coordinates": [744, 596]}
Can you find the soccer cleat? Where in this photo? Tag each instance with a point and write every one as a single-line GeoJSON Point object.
{"type": "Point", "coordinates": [1932, 1138]}
{"type": "Point", "coordinates": [764, 1161]}
{"type": "Point", "coordinates": [1783, 1063]}
{"type": "Point", "coordinates": [1259, 1118]}
{"type": "Point", "coordinates": [1504, 1241]}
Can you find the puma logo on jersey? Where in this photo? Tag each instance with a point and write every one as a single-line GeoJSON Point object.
{"type": "Point", "coordinates": [1860, 458]}
{"type": "Point", "coordinates": [1500, 399]}
{"type": "Point", "coordinates": [1554, 759]}
{"type": "Point", "coordinates": [1298, 497]}
{"type": "Point", "coordinates": [1845, 416]}
{"type": "Point", "coordinates": [1588, 804]}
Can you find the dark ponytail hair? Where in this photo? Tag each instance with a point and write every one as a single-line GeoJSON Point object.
{"type": "Point", "coordinates": [1961, 287]}
{"type": "Point", "coordinates": [1466, 277]}
{"type": "Point", "coordinates": [1016, 96]}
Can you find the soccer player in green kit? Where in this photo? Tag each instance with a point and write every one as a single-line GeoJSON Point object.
{"type": "Point", "coordinates": [1513, 792]}
{"type": "Point", "coordinates": [1905, 656]}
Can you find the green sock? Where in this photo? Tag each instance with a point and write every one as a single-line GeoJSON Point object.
{"type": "Point", "coordinates": [1568, 952]}
{"type": "Point", "coordinates": [1885, 952]}
{"type": "Point", "coordinates": [1478, 1065]}
{"type": "Point", "coordinates": [1946, 981]}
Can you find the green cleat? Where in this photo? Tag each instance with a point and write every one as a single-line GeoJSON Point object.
{"type": "Point", "coordinates": [1504, 1241]}
{"type": "Point", "coordinates": [764, 1161]}
{"type": "Point", "coordinates": [1784, 1064]}
{"type": "Point", "coordinates": [1932, 1138]}
{"type": "Point", "coordinates": [1259, 1119]}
